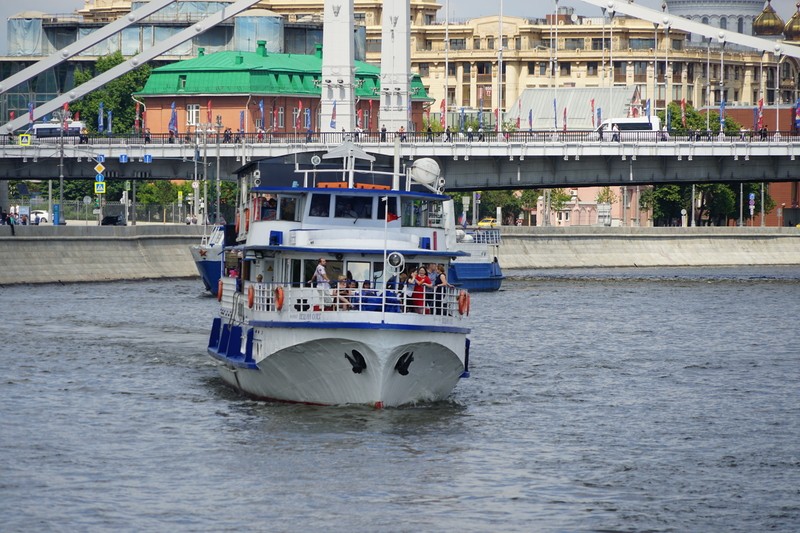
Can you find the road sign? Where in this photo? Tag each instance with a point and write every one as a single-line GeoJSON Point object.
{"type": "Point", "coordinates": [87, 200]}
{"type": "Point", "coordinates": [127, 185]}
{"type": "Point", "coordinates": [147, 158]}
{"type": "Point", "coordinates": [99, 168]}
{"type": "Point", "coordinates": [99, 187]}
{"type": "Point", "coordinates": [752, 196]}
{"type": "Point", "coordinates": [99, 177]}
{"type": "Point", "coordinates": [180, 196]}
{"type": "Point", "coordinates": [24, 140]}
{"type": "Point", "coordinates": [101, 158]}
{"type": "Point", "coordinates": [195, 185]}
{"type": "Point", "coordinates": [123, 158]}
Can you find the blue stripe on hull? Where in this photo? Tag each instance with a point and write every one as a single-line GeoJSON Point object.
{"type": "Point", "coordinates": [210, 272]}
{"type": "Point", "coordinates": [476, 277]}
{"type": "Point", "coordinates": [356, 325]}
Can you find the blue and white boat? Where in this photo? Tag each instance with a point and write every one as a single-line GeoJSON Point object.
{"type": "Point", "coordinates": [209, 258]}
{"type": "Point", "coordinates": [479, 271]}
{"type": "Point", "coordinates": [279, 338]}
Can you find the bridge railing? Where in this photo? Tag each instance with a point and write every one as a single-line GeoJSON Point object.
{"type": "Point", "coordinates": [370, 137]}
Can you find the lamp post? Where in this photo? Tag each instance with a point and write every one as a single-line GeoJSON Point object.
{"type": "Point", "coordinates": [219, 128]}
{"type": "Point", "coordinates": [708, 85]}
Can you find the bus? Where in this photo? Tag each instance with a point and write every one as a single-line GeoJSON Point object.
{"type": "Point", "coordinates": [630, 129]}
{"type": "Point", "coordinates": [48, 130]}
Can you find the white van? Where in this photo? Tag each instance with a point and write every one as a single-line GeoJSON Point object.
{"type": "Point", "coordinates": [644, 129]}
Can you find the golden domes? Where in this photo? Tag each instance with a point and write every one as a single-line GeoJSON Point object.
{"type": "Point", "coordinates": [792, 29]}
{"type": "Point", "coordinates": [768, 23]}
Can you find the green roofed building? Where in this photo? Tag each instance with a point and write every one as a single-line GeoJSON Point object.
{"type": "Point", "coordinates": [257, 92]}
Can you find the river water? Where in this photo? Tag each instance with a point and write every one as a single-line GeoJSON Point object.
{"type": "Point", "coordinates": [600, 400]}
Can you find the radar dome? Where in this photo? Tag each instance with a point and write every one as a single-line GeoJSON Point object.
{"type": "Point", "coordinates": [425, 171]}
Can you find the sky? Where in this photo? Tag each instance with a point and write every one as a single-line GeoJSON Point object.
{"type": "Point", "coordinates": [459, 9]}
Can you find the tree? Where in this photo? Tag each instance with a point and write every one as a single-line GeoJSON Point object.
{"type": "Point", "coordinates": [606, 196]}
{"type": "Point", "coordinates": [115, 95]}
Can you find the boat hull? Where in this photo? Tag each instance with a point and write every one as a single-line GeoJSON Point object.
{"type": "Point", "coordinates": [476, 277]}
{"type": "Point", "coordinates": [322, 365]}
{"type": "Point", "coordinates": [208, 261]}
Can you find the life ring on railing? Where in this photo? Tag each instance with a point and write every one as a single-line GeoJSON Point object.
{"type": "Point", "coordinates": [219, 291]}
{"type": "Point", "coordinates": [279, 298]}
{"type": "Point", "coordinates": [463, 303]}
{"type": "Point", "coordinates": [251, 296]}
{"type": "Point", "coordinates": [247, 219]}
{"type": "Point", "coordinates": [236, 222]}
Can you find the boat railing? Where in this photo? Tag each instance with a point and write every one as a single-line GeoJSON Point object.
{"type": "Point", "coordinates": [487, 236]}
{"type": "Point", "coordinates": [283, 298]}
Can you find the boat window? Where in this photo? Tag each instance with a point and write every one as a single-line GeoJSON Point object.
{"type": "Point", "coordinates": [393, 211]}
{"type": "Point", "coordinates": [354, 206]}
{"type": "Point", "coordinates": [288, 208]}
{"type": "Point", "coordinates": [420, 213]}
{"type": "Point", "coordinates": [320, 205]}
{"type": "Point", "coordinates": [359, 270]}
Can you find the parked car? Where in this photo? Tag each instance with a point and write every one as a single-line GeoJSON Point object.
{"type": "Point", "coordinates": [487, 222]}
{"type": "Point", "coordinates": [113, 220]}
{"type": "Point", "coordinates": [44, 217]}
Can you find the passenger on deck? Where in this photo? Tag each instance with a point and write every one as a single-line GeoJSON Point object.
{"type": "Point", "coordinates": [421, 283]}
{"type": "Point", "coordinates": [341, 296]}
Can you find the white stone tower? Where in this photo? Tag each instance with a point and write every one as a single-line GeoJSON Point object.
{"type": "Point", "coordinates": [396, 65]}
{"type": "Point", "coordinates": [338, 79]}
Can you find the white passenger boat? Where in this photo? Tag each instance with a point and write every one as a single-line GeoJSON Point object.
{"type": "Point", "coordinates": [277, 337]}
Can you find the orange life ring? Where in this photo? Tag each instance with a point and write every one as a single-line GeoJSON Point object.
{"type": "Point", "coordinates": [236, 221]}
{"type": "Point", "coordinates": [279, 298]}
{"type": "Point", "coordinates": [469, 303]}
{"type": "Point", "coordinates": [251, 296]}
{"type": "Point", "coordinates": [247, 219]}
{"type": "Point", "coordinates": [463, 303]}
{"type": "Point", "coordinates": [219, 291]}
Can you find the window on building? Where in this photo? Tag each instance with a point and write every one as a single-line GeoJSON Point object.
{"type": "Point", "coordinates": [192, 114]}
{"type": "Point", "coordinates": [723, 23]}
{"type": "Point", "coordinates": [677, 44]}
{"type": "Point", "coordinates": [573, 43]}
{"type": "Point", "coordinates": [564, 68]}
{"type": "Point", "coordinates": [704, 20]}
{"type": "Point", "coordinates": [360, 18]}
{"type": "Point", "coordinates": [518, 43]}
{"type": "Point", "coordinates": [458, 44]}
{"type": "Point", "coordinates": [484, 67]}
{"type": "Point", "coordinates": [374, 45]}
{"type": "Point", "coordinates": [424, 69]}
{"type": "Point", "coordinates": [592, 68]}
{"type": "Point", "coordinates": [543, 68]}
{"type": "Point", "coordinates": [476, 43]}
{"type": "Point", "coordinates": [641, 44]}
{"type": "Point", "coordinates": [182, 82]}
{"type": "Point", "coordinates": [451, 69]}
{"type": "Point", "coordinates": [531, 68]}
{"type": "Point", "coordinates": [465, 95]}
{"type": "Point", "coordinates": [467, 69]}
{"type": "Point", "coordinates": [740, 25]}
{"type": "Point", "coordinates": [427, 45]}
{"type": "Point", "coordinates": [490, 43]}
{"type": "Point", "coordinates": [427, 19]}
{"type": "Point", "coordinates": [677, 67]}
{"type": "Point", "coordinates": [639, 70]}
{"type": "Point", "coordinates": [505, 42]}
{"type": "Point", "coordinates": [599, 43]}
{"type": "Point", "coordinates": [281, 117]}
{"type": "Point", "coordinates": [690, 71]}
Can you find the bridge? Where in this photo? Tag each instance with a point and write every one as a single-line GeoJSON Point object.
{"type": "Point", "coordinates": [519, 160]}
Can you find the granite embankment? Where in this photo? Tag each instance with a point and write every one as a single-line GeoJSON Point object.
{"type": "Point", "coordinates": [76, 253]}
{"type": "Point", "coordinates": [80, 253]}
{"type": "Point", "coordinates": [648, 247]}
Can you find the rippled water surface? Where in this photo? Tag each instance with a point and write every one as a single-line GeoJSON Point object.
{"type": "Point", "coordinates": [600, 400]}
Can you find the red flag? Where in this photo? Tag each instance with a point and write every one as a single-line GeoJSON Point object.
{"type": "Point", "coordinates": [636, 103]}
{"type": "Point", "coordinates": [66, 113]}
{"type": "Point", "coordinates": [519, 111]}
{"type": "Point", "coordinates": [12, 115]}
{"type": "Point", "coordinates": [275, 118]}
{"type": "Point", "coordinates": [299, 114]}
{"type": "Point", "coordinates": [77, 115]}
{"type": "Point", "coordinates": [592, 104]}
{"type": "Point", "coordinates": [442, 120]}
{"type": "Point", "coordinates": [208, 111]}
{"type": "Point", "coordinates": [391, 216]}
{"type": "Point", "coordinates": [760, 123]}
{"type": "Point", "coordinates": [369, 126]}
{"type": "Point", "coordinates": [565, 120]}
{"type": "Point", "coordinates": [683, 112]}
{"type": "Point", "coordinates": [359, 117]}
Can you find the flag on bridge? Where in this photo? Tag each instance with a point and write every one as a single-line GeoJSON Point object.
{"type": "Point", "coordinates": [797, 115]}
{"type": "Point", "coordinates": [463, 120]}
{"type": "Point", "coordinates": [101, 117]}
{"type": "Point", "coordinates": [442, 119]}
{"type": "Point", "coordinates": [30, 112]}
{"type": "Point", "coordinates": [173, 120]}
{"type": "Point", "coordinates": [683, 112]}
{"type": "Point", "coordinates": [636, 103]}
{"type": "Point", "coordinates": [760, 123]}
{"type": "Point", "coordinates": [722, 115]}
{"type": "Point", "coordinates": [480, 107]}
{"type": "Point", "coordinates": [109, 123]}
{"type": "Point", "coordinates": [591, 103]}
{"type": "Point", "coordinates": [647, 108]}
{"type": "Point", "coordinates": [12, 115]}
{"type": "Point", "coordinates": [333, 116]}
{"type": "Point", "coordinates": [519, 111]}
{"type": "Point", "coordinates": [208, 112]}
{"type": "Point", "coordinates": [530, 119]}
{"type": "Point", "coordinates": [565, 119]}
{"type": "Point", "coordinates": [261, 109]}
{"type": "Point", "coordinates": [308, 118]}
{"type": "Point", "coordinates": [555, 114]}
{"type": "Point", "coordinates": [65, 115]}
{"type": "Point", "coordinates": [300, 114]}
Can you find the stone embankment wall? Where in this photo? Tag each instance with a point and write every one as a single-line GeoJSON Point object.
{"type": "Point", "coordinates": [77, 253]}
{"type": "Point", "coordinates": [654, 247]}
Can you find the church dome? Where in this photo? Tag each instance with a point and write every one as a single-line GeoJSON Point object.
{"type": "Point", "coordinates": [768, 22]}
{"type": "Point", "coordinates": [792, 29]}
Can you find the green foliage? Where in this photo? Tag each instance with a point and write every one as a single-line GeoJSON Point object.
{"type": "Point", "coordinates": [559, 199]}
{"type": "Point", "coordinates": [696, 121]}
{"type": "Point", "coordinates": [606, 196]}
{"type": "Point", "coordinates": [115, 95]}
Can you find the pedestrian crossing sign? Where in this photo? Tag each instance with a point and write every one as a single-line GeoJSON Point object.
{"type": "Point", "coordinates": [24, 139]}
{"type": "Point", "coordinates": [100, 187]}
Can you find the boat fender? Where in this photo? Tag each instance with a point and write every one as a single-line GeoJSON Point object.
{"type": "Point", "coordinates": [219, 291]}
{"type": "Point", "coordinates": [251, 296]}
{"type": "Point", "coordinates": [279, 298]}
{"type": "Point", "coordinates": [463, 303]}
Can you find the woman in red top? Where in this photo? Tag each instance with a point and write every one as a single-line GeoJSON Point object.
{"type": "Point", "coordinates": [421, 280]}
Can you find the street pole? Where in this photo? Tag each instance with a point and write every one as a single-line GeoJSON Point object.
{"type": "Point", "coordinates": [741, 204]}
{"type": "Point", "coordinates": [60, 219]}
{"type": "Point", "coordinates": [762, 204]}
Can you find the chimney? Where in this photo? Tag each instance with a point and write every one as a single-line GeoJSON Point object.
{"type": "Point", "coordinates": [318, 50]}
{"type": "Point", "coordinates": [262, 48]}
{"type": "Point", "coordinates": [201, 52]}
{"type": "Point", "coordinates": [239, 60]}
